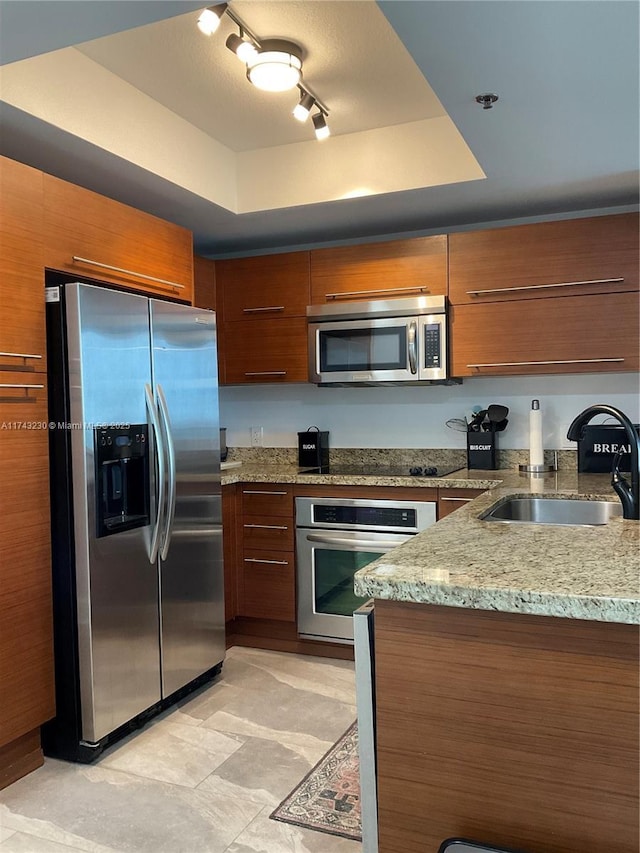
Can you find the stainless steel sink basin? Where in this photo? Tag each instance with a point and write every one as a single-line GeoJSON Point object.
{"type": "Point", "coordinates": [534, 510]}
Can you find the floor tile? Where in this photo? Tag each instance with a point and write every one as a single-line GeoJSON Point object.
{"type": "Point", "coordinates": [5, 832]}
{"type": "Point", "coordinates": [20, 842]}
{"type": "Point", "coordinates": [173, 752]}
{"type": "Point", "coordinates": [264, 835]}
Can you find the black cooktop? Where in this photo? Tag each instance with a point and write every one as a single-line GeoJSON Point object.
{"type": "Point", "coordinates": [386, 470]}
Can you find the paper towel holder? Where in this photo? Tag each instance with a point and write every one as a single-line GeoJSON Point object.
{"type": "Point", "coordinates": [540, 469]}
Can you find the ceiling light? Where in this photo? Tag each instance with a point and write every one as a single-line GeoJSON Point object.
{"type": "Point", "coordinates": [209, 20]}
{"type": "Point", "coordinates": [276, 67]}
{"type": "Point", "coordinates": [301, 111]}
{"type": "Point", "coordinates": [320, 126]}
{"type": "Point", "coordinates": [244, 49]}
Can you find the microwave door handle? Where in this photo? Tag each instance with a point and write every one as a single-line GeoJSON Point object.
{"type": "Point", "coordinates": [160, 457]}
{"type": "Point", "coordinates": [412, 346]}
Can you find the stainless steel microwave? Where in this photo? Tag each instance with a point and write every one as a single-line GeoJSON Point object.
{"type": "Point", "coordinates": [388, 341]}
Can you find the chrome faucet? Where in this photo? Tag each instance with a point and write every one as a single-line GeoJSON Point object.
{"type": "Point", "coordinates": [629, 494]}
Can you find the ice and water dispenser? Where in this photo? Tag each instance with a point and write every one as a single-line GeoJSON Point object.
{"type": "Point", "coordinates": [122, 478]}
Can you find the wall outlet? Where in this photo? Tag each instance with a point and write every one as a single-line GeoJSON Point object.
{"type": "Point", "coordinates": [256, 436]}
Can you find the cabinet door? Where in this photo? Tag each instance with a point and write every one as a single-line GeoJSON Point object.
{"type": "Point", "coordinates": [265, 351]}
{"type": "Point", "coordinates": [22, 323]}
{"type": "Point", "coordinates": [267, 499]}
{"type": "Point", "coordinates": [377, 270]}
{"type": "Point", "coordinates": [450, 500]}
{"type": "Point", "coordinates": [204, 283]}
{"type": "Point", "coordinates": [567, 258]}
{"type": "Point", "coordinates": [26, 632]}
{"type": "Point", "coordinates": [264, 286]}
{"type": "Point", "coordinates": [115, 243]}
{"type": "Point", "coordinates": [578, 334]}
{"type": "Point", "coordinates": [269, 589]}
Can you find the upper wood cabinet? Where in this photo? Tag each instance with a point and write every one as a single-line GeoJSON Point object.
{"type": "Point", "coordinates": [266, 286]}
{"type": "Point", "coordinates": [22, 317]}
{"type": "Point", "coordinates": [265, 350]}
{"type": "Point", "coordinates": [115, 243]}
{"type": "Point", "coordinates": [204, 283]}
{"type": "Point", "coordinates": [578, 334]}
{"type": "Point", "coordinates": [562, 258]}
{"type": "Point", "coordinates": [379, 270]}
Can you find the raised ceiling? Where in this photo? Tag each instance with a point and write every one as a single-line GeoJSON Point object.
{"type": "Point", "coordinates": [563, 137]}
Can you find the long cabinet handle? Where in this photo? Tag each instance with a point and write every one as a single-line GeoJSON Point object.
{"type": "Point", "coordinates": [268, 526]}
{"type": "Point", "coordinates": [463, 500]}
{"type": "Point", "coordinates": [266, 373]}
{"type": "Point", "coordinates": [422, 289]}
{"type": "Point", "coordinates": [260, 492]}
{"type": "Point", "coordinates": [127, 272]}
{"type": "Point", "coordinates": [18, 355]}
{"type": "Point", "coordinates": [544, 286]}
{"type": "Point", "coordinates": [260, 310]}
{"type": "Point", "coordinates": [11, 385]}
{"type": "Point", "coordinates": [556, 361]}
{"type": "Point", "coordinates": [270, 562]}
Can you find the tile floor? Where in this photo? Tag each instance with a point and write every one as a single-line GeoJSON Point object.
{"type": "Point", "coordinates": [201, 778]}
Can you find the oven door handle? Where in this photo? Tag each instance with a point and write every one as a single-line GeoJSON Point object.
{"type": "Point", "coordinates": [356, 544]}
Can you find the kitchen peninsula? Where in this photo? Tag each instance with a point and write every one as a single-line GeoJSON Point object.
{"type": "Point", "coordinates": [507, 680]}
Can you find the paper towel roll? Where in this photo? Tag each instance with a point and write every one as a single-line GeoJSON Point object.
{"type": "Point", "coordinates": [536, 450]}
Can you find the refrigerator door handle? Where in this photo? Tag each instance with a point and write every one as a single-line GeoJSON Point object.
{"type": "Point", "coordinates": [160, 456]}
{"type": "Point", "coordinates": [171, 459]}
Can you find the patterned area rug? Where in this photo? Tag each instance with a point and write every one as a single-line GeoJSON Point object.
{"type": "Point", "coordinates": [328, 798]}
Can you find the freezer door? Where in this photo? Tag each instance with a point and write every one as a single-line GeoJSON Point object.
{"type": "Point", "coordinates": [117, 587]}
{"type": "Point", "coordinates": [185, 375]}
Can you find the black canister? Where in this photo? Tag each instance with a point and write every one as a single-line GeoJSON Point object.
{"type": "Point", "coordinates": [313, 448]}
{"type": "Point", "coordinates": [481, 450]}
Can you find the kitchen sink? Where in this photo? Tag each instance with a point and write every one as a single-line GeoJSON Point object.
{"type": "Point", "coordinates": [534, 510]}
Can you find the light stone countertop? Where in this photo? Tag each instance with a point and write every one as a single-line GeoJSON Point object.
{"type": "Point", "coordinates": [573, 572]}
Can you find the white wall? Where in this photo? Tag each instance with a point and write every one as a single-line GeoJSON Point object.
{"type": "Point", "coordinates": [415, 417]}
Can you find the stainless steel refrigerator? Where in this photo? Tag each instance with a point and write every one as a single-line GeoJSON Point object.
{"type": "Point", "coordinates": [136, 510]}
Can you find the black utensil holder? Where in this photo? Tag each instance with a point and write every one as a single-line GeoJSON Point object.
{"type": "Point", "coordinates": [482, 450]}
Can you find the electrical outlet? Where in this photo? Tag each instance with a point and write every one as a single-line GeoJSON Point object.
{"type": "Point", "coordinates": [256, 436]}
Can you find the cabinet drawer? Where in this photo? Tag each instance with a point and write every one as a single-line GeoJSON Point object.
{"type": "Point", "coordinates": [265, 351]}
{"type": "Point", "coordinates": [451, 499]}
{"type": "Point", "coordinates": [567, 258]}
{"type": "Point", "coordinates": [22, 326]}
{"type": "Point", "coordinates": [271, 532]}
{"type": "Point", "coordinates": [267, 499]}
{"type": "Point", "coordinates": [577, 334]}
{"type": "Point", "coordinates": [265, 286]}
{"type": "Point", "coordinates": [268, 585]}
{"type": "Point", "coordinates": [116, 243]}
{"type": "Point", "coordinates": [376, 270]}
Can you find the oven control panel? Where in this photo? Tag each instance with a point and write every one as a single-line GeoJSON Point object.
{"type": "Point", "coordinates": [366, 516]}
{"type": "Point", "coordinates": [386, 516]}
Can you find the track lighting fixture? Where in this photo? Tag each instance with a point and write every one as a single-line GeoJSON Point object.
{"type": "Point", "coordinates": [209, 20]}
{"type": "Point", "coordinates": [243, 48]}
{"type": "Point", "coordinates": [320, 126]}
{"type": "Point", "coordinates": [301, 111]}
{"type": "Point", "coordinates": [273, 65]}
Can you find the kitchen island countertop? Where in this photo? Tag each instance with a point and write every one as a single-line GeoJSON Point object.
{"type": "Point", "coordinates": [572, 572]}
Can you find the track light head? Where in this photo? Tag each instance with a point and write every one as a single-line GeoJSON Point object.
{"type": "Point", "coordinates": [301, 111]}
{"type": "Point", "coordinates": [320, 126]}
{"type": "Point", "coordinates": [245, 50]}
{"type": "Point", "coordinates": [209, 20]}
{"type": "Point", "coordinates": [276, 67]}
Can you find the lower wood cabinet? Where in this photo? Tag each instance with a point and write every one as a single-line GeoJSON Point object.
{"type": "Point", "coordinates": [573, 334]}
{"type": "Point", "coordinates": [450, 500]}
{"type": "Point", "coordinates": [26, 623]}
{"type": "Point", "coordinates": [267, 582]}
{"type": "Point", "coordinates": [266, 350]}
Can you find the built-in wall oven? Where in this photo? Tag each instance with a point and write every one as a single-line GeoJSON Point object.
{"type": "Point", "coordinates": [334, 538]}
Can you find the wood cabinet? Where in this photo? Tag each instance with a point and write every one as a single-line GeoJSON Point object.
{"type": "Point", "coordinates": [22, 317]}
{"type": "Point", "coordinates": [96, 237]}
{"type": "Point", "coordinates": [263, 302]}
{"type": "Point", "coordinates": [450, 500]}
{"type": "Point", "coordinates": [380, 270]}
{"type": "Point", "coordinates": [26, 624]}
{"type": "Point", "coordinates": [519, 731]}
{"type": "Point", "coordinates": [265, 350]}
{"type": "Point", "coordinates": [577, 334]}
{"type": "Point", "coordinates": [230, 506]}
{"type": "Point", "coordinates": [562, 258]}
{"type": "Point", "coordinates": [267, 587]}
{"type": "Point", "coordinates": [204, 283]}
